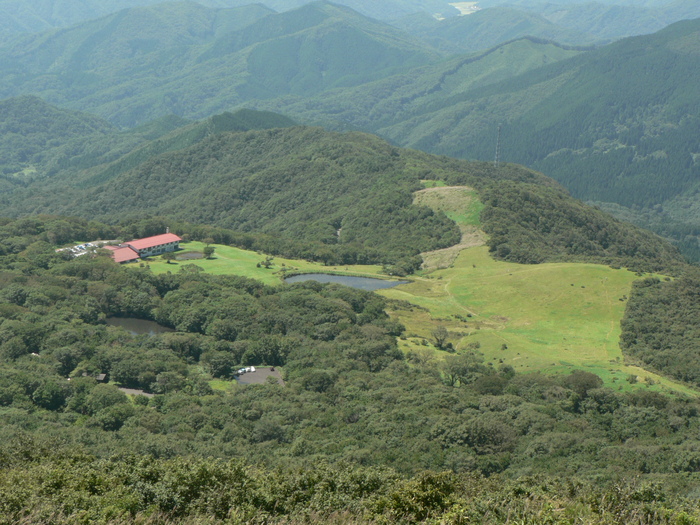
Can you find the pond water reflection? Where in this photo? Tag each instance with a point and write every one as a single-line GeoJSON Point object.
{"type": "Point", "coordinates": [363, 283]}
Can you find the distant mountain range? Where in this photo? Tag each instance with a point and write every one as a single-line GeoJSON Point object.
{"type": "Point", "coordinates": [34, 16]}
{"type": "Point", "coordinates": [614, 17]}
{"type": "Point", "coordinates": [615, 124]}
{"type": "Point", "coordinates": [186, 59]}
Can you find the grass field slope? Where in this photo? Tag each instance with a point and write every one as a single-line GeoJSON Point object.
{"type": "Point", "coordinates": [549, 317]}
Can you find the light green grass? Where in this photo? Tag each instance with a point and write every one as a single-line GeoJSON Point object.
{"type": "Point", "coordinates": [228, 260]}
{"type": "Point", "coordinates": [546, 323]}
{"type": "Point", "coordinates": [221, 385]}
{"type": "Point", "coordinates": [459, 203]}
{"type": "Point", "coordinates": [552, 317]}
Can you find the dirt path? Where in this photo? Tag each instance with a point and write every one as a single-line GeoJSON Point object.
{"type": "Point", "coordinates": [444, 258]}
{"type": "Point", "coordinates": [449, 199]}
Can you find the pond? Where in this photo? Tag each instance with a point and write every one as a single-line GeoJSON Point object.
{"type": "Point", "coordinates": [138, 326]}
{"type": "Point", "coordinates": [363, 283]}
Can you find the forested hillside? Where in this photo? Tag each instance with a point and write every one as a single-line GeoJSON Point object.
{"type": "Point", "coordinates": [196, 61]}
{"type": "Point", "coordinates": [553, 102]}
{"type": "Point", "coordinates": [350, 194]}
{"type": "Point", "coordinates": [488, 28]}
{"type": "Point", "coordinates": [358, 427]}
{"type": "Point", "coordinates": [44, 145]}
{"type": "Point", "coordinates": [612, 125]}
{"type": "Point", "coordinates": [29, 128]}
{"type": "Point", "coordinates": [487, 387]}
{"type": "Point", "coordinates": [22, 16]}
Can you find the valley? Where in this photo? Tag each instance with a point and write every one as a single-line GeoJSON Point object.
{"type": "Point", "coordinates": [552, 318]}
{"type": "Point", "coordinates": [533, 353]}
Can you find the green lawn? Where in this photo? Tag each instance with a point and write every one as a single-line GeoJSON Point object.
{"type": "Point", "coordinates": [229, 260]}
{"type": "Point", "coordinates": [550, 317]}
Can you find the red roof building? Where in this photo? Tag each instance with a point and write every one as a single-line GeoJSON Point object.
{"type": "Point", "coordinates": [155, 245]}
{"type": "Point", "coordinates": [122, 254]}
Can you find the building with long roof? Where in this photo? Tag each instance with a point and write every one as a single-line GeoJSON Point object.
{"type": "Point", "coordinates": [156, 245]}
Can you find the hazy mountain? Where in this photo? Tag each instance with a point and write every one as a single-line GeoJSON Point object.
{"type": "Point", "coordinates": [612, 21]}
{"type": "Point", "coordinates": [33, 16]}
{"type": "Point", "coordinates": [193, 61]}
{"type": "Point", "coordinates": [489, 27]}
{"type": "Point", "coordinates": [615, 125]}
{"type": "Point", "coordinates": [575, 23]}
{"type": "Point", "coordinates": [415, 95]}
{"type": "Point", "coordinates": [619, 124]}
{"type": "Point", "coordinates": [51, 147]}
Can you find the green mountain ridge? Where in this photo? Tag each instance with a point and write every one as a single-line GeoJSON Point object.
{"type": "Point", "coordinates": [491, 27]}
{"type": "Point", "coordinates": [199, 61]}
{"type": "Point", "coordinates": [19, 16]}
{"type": "Point", "coordinates": [351, 192]}
{"type": "Point", "coordinates": [616, 124]}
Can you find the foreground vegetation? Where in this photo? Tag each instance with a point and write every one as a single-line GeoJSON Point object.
{"type": "Point", "coordinates": [70, 487]}
{"type": "Point", "coordinates": [357, 432]}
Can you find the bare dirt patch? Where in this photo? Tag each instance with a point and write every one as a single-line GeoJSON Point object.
{"type": "Point", "coordinates": [135, 392]}
{"type": "Point", "coordinates": [259, 376]}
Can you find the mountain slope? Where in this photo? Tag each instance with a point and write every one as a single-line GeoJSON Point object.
{"type": "Point", "coordinates": [605, 124]}
{"type": "Point", "coordinates": [30, 130]}
{"type": "Point", "coordinates": [21, 16]}
{"type": "Point", "coordinates": [618, 124]}
{"type": "Point", "coordinates": [417, 93]}
{"type": "Point", "coordinates": [303, 183]}
{"type": "Point", "coordinates": [197, 61]}
{"type": "Point", "coordinates": [612, 22]}
{"type": "Point", "coordinates": [490, 27]}
{"type": "Point", "coordinates": [349, 195]}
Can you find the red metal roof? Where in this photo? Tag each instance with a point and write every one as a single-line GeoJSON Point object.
{"type": "Point", "coordinates": [121, 255]}
{"type": "Point", "coordinates": [150, 242]}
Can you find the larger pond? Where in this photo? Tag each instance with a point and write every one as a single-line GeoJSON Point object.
{"type": "Point", "coordinates": [363, 283]}
{"type": "Point", "coordinates": [138, 326]}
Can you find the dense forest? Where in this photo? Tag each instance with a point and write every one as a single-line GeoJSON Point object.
{"type": "Point", "coordinates": [660, 327]}
{"type": "Point", "coordinates": [358, 429]}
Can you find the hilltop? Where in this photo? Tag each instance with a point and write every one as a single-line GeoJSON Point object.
{"type": "Point", "coordinates": [349, 192]}
{"type": "Point", "coordinates": [614, 125]}
{"type": "Point", "coordinates": [198, 61]}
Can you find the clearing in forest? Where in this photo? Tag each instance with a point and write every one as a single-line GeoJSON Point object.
{"type": "Point", "coordinates": [462, 205]}
{"type": "Point", "coordinates": [553, 317]}
{"type": "Point", "coordinates": [228, 260]}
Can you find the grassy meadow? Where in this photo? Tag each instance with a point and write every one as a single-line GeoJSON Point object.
{"type": "Point", "coordinates": [230, 260]}
{"type": "Point", "coordinates": [549, 317]}
{"type": "Point", "coordinates": [552, 317]}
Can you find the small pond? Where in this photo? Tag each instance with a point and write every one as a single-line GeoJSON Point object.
{"type": "Point", "coordinates": [138, 326]}
{"type": "Point", "coordinates": [363, 283]}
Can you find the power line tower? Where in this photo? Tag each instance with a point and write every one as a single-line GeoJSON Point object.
{"type": "Point", "coordinates": [498, 147]}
